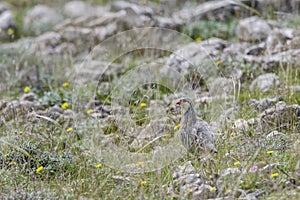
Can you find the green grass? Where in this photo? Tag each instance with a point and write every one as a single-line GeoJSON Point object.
{"type": "Point", "coordinates": [71, 162]}
{"type": "Point", "coordinates": [70, 168]}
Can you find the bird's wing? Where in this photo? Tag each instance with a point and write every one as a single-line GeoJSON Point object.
{"type": "Point", "coordinates": [205, 136]}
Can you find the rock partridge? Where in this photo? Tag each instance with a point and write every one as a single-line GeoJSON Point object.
{"type": "Point", "coordinates": [195, 133]}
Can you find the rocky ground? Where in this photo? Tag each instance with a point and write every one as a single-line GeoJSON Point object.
{"type": "Point", "coordinates": [88, 89]}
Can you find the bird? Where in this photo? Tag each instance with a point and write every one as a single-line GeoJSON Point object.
{"type": "Point", "coordinates": [196, 134]}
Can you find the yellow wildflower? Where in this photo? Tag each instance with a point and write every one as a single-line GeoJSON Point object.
{"type": "Point", "coordinates": [21, 132]}
{"type": "Point", "coordinates": [99, 165]}
{"type": "Point", "coordinates": [218, 62]}
{"type": "Point", "coordinates": [12, 163]}
{"type": "Point", "coordinates": [89, 111]}
{"type": "Point", "coordinates": [64, 105]}
{"type": "Point", "coordinates": [140, 164]}
{"type": "Point", "coordinates": [143, 105]}
{"type": "Point", "coordinates": [26, 89]}
{"type": "Point", "coordinates": [270, 152]}
{"type": "Point", "coordinates": [65, 84]}
{"type": "Point", "coordinates": [6, 155]}
{"type": "Point", "coordinates": [212, 189]}
{"type": "Point", "coordinates": [189, 190]}
{"type": "Point", "coordinates": [70, 129]}
{"type": "Point", "coordinates": [198, 39]}
{"type": "Point", "coordinates": [228, 191]}
{"type": "Point", "coordinates": [10, 31]}
{"type": "Point", "coordinates": [176, 127]}
{"type": "Point", "coordinates": [236, 163]}
{"type": "Point", "coordinates": [274, 174]}
{"type": "Point", "coordinates": [143, 182]}
{"type": "Point", "coordinates": [39, 169]}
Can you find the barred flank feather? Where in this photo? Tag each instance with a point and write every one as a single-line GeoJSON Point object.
{"type": "Point", "coordinates": [195, 133]}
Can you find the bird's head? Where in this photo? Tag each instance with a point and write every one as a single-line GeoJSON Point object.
{"type": "Point", "coordinates": [185, 104]}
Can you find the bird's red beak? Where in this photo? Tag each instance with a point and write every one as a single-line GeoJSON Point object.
{"type": "Point", "coordinates": [178, 103]}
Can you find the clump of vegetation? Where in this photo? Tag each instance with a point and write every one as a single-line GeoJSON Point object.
{"type": "Point", "coordinates": [204, 29]}
{"type": "Point", "coordinates": [58, 154]}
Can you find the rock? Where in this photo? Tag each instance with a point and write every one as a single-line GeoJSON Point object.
{"type": "Point", "coordinates": [262, 104]}
{"type": "Point", "coordinates": [236, 48]}
{"type": "Point", "coordinates": [48, 43]}
{"type": "Point", "coordinates": [253, 29]}
{"type": "Point", "coordinates": [153, 129]}
{"type": "Point", "coordinates": [187, 183]}
{"type": "Point", "coordinates": [277, 39]}
{"type": "Point", "coordinates": [229, 171]}
{"type": "Point", "coordinates": [76, 9]}
{"type": "Point", "coordinates": [254, 195]}
{"type": "Point", "coordinates": [241, 126]}
{"type": "Point", "coordinates": [274, 61]}
{"type": "Point", "coordinates": [55, 109]}
{"type": "Point", "coordinates": [84, 33]}
{"type": "Point", "coordinates": [280, 117]}
{"type": "Point", "coordinates": [80, 37]}
{"type": "Point", "coordinates": [40, 19]}
{"type": "Point", "coordinates": [265, 82]}
{"type": "Point", "coordinates": [293, 43]}
{"type": "Point", "coordinates": [165, 22]}
{"type": "Point", "coordinates": [97, 70]}
{"type": "Point", "coordinates": [269, 6]}
{"type": "Point", "coordinates": [28, 97]}
{"type": "Point", "coordinates": [291, 57]}
{"type": "Point", "coordinates": [4, 7]}
{"type": "Point", "coordinates": [136, 15]}
{"type": "Point", "coordinates": [187, 168]}
{"type": "Point", "coordinates": [256, 50]}
{"type": "Point", "coordinates": [199, 55]}
{"type": "Point", "coordinates": [15, 109]}
{"type": "Point", "coordinates": [68, 114]}
{"type": "Point", "coordinates": [222, 87]}
{"type": "Point", "coordinates": [211, 9]}
{"type": "Point", "coordinates": [7, 24]}
{"type": "Point", "coordinates": [138, 9]}
{"type": "Point", "coordinates": [295, 88]}
{"type": "Point", "coordinates": [275, 140]}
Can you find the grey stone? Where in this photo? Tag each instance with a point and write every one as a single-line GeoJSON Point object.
{"type": "Point", "coordinates": [197, 56]}
{"type": "Point", "coordinates": [153, 129]}
{"type": "Point", "coordinates": [277, 39]}
{"type": "Point", "coordinates": [210, 9]}
{"type": "Point", "coordinates": [76, 9]}
{"type": "Point", "coordinates": [138, 9]}
{"type": "Point", "coordinates": [240, 126]}
{"type": "Point", "coordinates": [4, 7]}
{"type": "Point", "coordinates": [279, 117]}
{"type": "Point", "coordinates": [265, 82]}
{"type": "Point", "coordinates": [28, 97]}
{"type": "Point", "coordinates": [269, 6]}
{"type": "Point", "coordinates": [256, 50]}
{"type": "Point", "coordinates": [7, 24]}
{"type": "Point", "coordinates": [41, 18]}
{"type": "Point", "coordinates": [253, 29]}
{"type": "Point", "coordinates": [263, 104]}
{"type": "Point", "coordinates": [188, 183]}
{"type": "Point", "coordinates": [221, 87]}
{"type": "Point", "coordinates": [229, 171]}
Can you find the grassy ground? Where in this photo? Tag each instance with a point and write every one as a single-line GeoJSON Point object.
{"type": "Point", "coordinates": [54, 160]}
